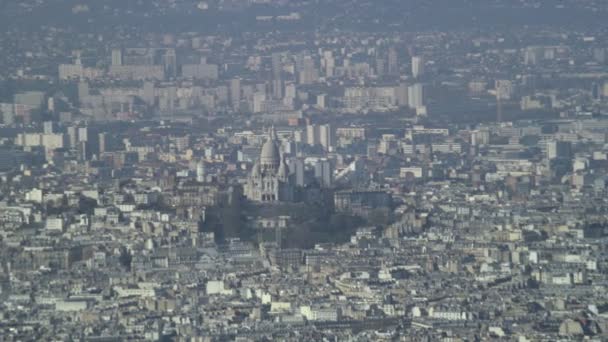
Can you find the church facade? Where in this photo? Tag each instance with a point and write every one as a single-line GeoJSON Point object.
{"type": "Point", "coordinates": [269, 180]}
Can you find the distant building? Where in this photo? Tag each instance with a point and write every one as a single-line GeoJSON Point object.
{"type": "Point", "coordinates": [415, 96]}
{"type": "Point", "coordinates": [235, 93]}
{"type": "Point", "coordinates": [324, 172]}
{"type": "Point", "coordinates": [417, 66]}
{"type": "Point", "coordinates": [504, 89]}
{"type": "Point", "coordinates": [286, 258]}
{"type": "Point", "coordinates": [361, 202]}
{"type": "Point", "coordinates": [393, 62]}
{"type": "Point", "coordinates": [559, 149]}
{"type": "Point", "coordinates": [200, 71]}
{"type": "Point", "coordinates": [117, 57]}
{"type": "Point", "coordinates": [312, 135]}
{"type": "Point", "coordinates": [374, 98]}
{"type": "Point", "coordinates": [326, 137]}
{"type": "Point", "coordinates": [201, 174]}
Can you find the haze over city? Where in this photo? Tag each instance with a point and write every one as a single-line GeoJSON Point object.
{"type": "Point", "coordinates": [303, 170]}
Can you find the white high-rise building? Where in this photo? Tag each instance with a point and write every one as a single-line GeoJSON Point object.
{"type": "Point", "coordinates": [326, 137]}
{"type": "Point", "coordinates": [308, 73]}
{"type": "Point", "coordinates": [480, 137]}
{"type": "Point", "coordinates": [83, 134]}
{"type": "Point", "coordinates": [417, 66]}
{"type": "Point", "coordinates": [415, 94]}
{"type": "Point", "coordinates": [201, 172]}
{"type": "Point", "coordinates": [7, 113]}
{"type": "Point", "coordinates": [72, 136]}
{"type": "Point", "coordinates": [321, 100]}
{"type": "Point", "coordinates": [48, 127]}
{"type": "Point", "coordinates": [312, 135]}
{"type": "Point", "coordinates": [259, 100]}
{"type": "Point", "coordinates": [290, 91]}
{"type": "Point", "coordinates": [117, 57]}
{"type": "Point", "coordinates": [235, 93]}
{"type": "Point", "coordinates": [504, 89]}
{"type": "Point", "coordinates": [329, 64]}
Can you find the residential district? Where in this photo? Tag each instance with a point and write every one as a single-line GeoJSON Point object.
{"type": "Point", "coordinates": [259, 171]}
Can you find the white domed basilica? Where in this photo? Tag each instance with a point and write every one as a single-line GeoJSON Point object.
{"type": "Point", "coordinates": [269, 180]}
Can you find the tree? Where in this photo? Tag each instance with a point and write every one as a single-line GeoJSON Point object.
{"type": "Point", "coordinates": [379, 217]}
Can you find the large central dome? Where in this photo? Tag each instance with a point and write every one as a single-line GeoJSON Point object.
{"type": "Point", "coordinates": [270, 155]}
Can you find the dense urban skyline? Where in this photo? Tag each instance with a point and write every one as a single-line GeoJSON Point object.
{"type": "Point", "coordinates": [327, 170]}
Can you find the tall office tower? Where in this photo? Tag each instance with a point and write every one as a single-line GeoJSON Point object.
{"type": "Point", "coordinates": [559, 149]}
{"type": "Point", "coordinates": [393, 62]}
{"type": "Point", "coordinates": [235, 93]}
{"type": "Point", "coordinates": [116, 57]}
{"type": "Point", "coordinates": [201, 174]}
{"type": "Point", "coordinates": [312, 135]}
{"type": "Point", "coordinates": [417, 66]}
{"type": "Point", "coordinates": [324, 172]}
{"type": "Point", "coordinates": [326, 137]}
{"type": "Point", "coordinates": [415, 94]}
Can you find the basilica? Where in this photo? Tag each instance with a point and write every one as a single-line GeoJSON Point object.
{"type": "Point", "coordinates": [269, 180]}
